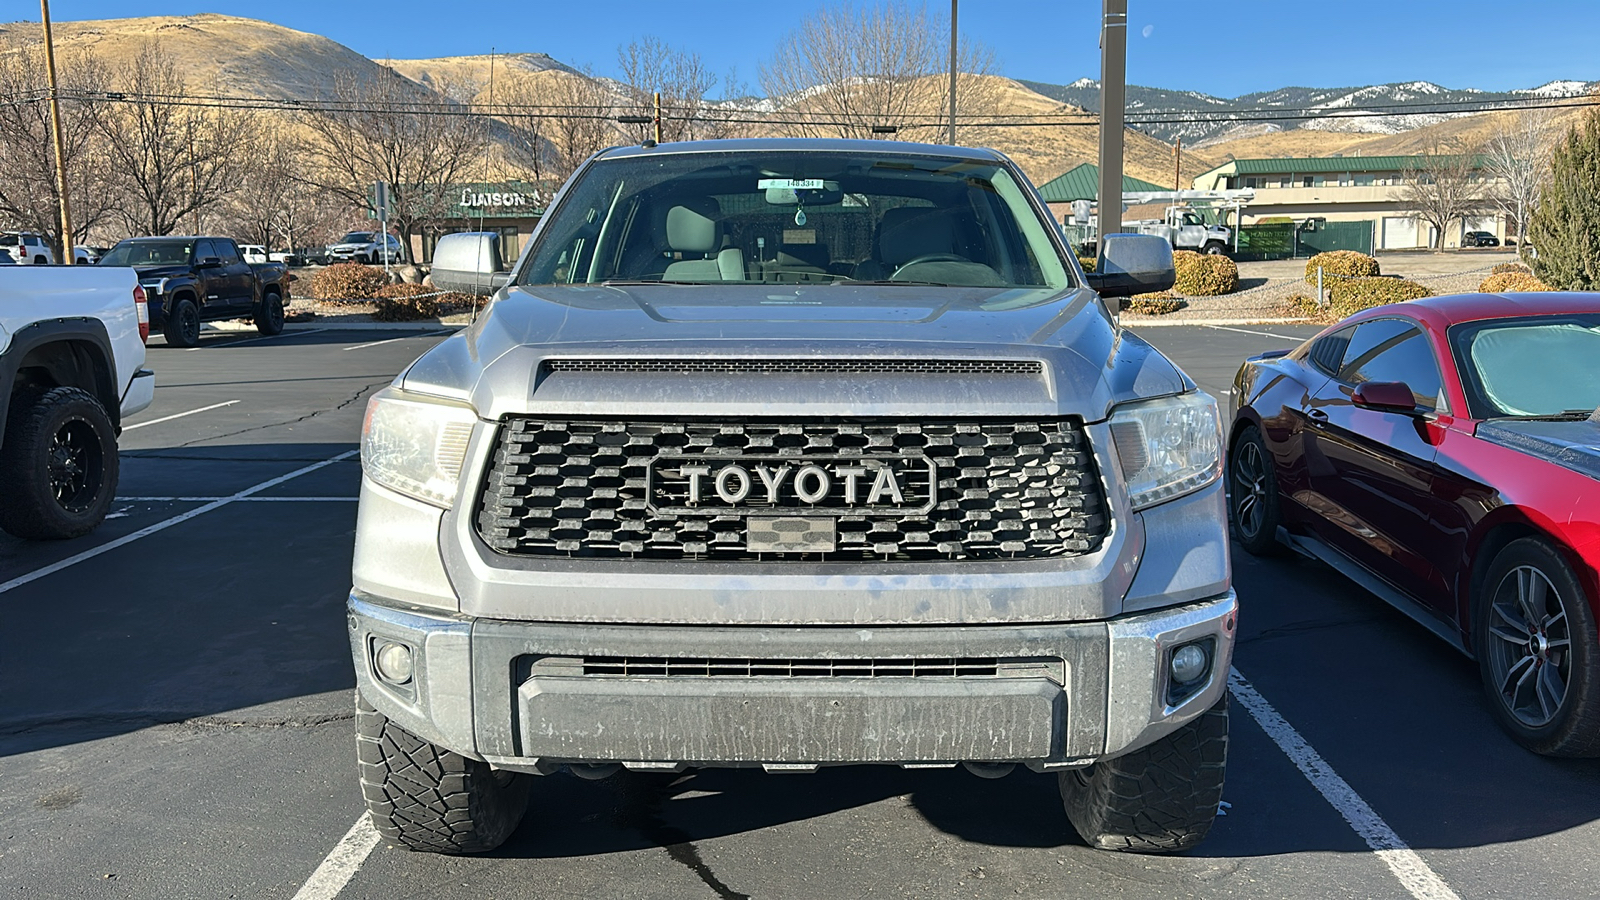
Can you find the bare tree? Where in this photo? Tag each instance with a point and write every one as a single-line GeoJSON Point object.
{"type": "Point", "coordinates": [847, 70]}
{"type": "Point", "coordinates": [1517, 158]}
{"type": "Point", "coordinates": [28, 195]}
{"type": "Point", "coordinates": [649, 66]}
{"type": "Point", "coordinates": [389, 129]}
{"type": "Point", "coordinates": [576, 119]}
{"type": "Point", "coordinates": [1444, 187]}
{"type": "Point", "coordinates": [276, 206]}
{"type": "Point", "coordinates": [171, 162]}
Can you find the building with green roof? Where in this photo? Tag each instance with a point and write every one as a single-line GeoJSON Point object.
{"type": "Point", "coordinates": [1345, 189]}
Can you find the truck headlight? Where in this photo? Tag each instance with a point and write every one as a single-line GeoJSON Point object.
{"type": "Point", "coordinates": [416, 446]}
{"type": "Point", "coordinates": [1168, 447]}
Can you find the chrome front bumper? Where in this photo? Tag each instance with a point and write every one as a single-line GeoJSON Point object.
{"type": "Point", "coordinates": [515, 693]}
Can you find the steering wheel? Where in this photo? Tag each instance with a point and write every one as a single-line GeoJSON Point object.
{"type": "Point", "coordinates": [929, 258]}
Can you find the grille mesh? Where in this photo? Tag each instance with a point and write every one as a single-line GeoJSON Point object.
{"type": "Point", "coordinates": [673, 667]}
{"type": "Point", "coordinates": [808, 366]}
{"type": "Point", "coordinates": [1003, 489]}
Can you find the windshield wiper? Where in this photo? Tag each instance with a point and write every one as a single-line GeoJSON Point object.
{"type": "Point", "coordinates": [895, 282]}
{"type": "Point", "coordinates": [1556, 416]}
{"type": "Point", "coordinates": [635, 283]}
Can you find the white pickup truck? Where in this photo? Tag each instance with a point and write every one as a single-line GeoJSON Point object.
{"type": "Point", "coordinates": [71, 369]}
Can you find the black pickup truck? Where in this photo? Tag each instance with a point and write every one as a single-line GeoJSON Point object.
{"type": "Point", "coordinates": [189, 280]}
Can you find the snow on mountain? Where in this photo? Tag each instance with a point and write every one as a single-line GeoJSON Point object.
{"type": "Point", "coordinates": [1558, 89]}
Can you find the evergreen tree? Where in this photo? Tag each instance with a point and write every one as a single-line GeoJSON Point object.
{"type": "Point", "coordinates": [1565, 229]}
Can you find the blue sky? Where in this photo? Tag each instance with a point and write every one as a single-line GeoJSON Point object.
{"type": "Point", "coordinates": [1223, 48]}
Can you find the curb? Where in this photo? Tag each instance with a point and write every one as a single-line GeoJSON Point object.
{"type": "Point", "coordinates": [232, 327]}
{"type": "Point", "coordinates": [1162, 322]}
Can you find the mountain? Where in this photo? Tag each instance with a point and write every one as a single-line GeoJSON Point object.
{"type": "Point", "coordinates": [1226, 118]}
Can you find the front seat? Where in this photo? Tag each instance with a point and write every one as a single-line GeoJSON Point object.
{"type": "Point", "coordinates": [906, 233]}
{"type": "Point", "coordinates": [697, 229]}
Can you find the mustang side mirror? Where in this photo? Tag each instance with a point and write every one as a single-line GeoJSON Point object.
{"type": "Point", "coordinates": [1132, 264]}
{"type": "Point", "coordinates": [1385, 396]}
{"type": "Point", "coordinates": [469, 262]}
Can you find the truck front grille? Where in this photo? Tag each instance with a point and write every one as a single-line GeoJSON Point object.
{"type": "Point", "coordinates": [974, 489]}
{"type": "Point", "coordinates": [674, 667]}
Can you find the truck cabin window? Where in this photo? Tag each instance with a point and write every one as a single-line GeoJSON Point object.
{"type": "Point", "coordinates": [148, 253]}
{"type": "Point", "coordinates": [799, 217]}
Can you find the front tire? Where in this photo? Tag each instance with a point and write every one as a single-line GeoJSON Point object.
{"type": "Point", "coordinates": [183, 324]}
{"type": "Point", "coordinates": [426, 798]}
{"type": "Point", "coordinates": [1157, 799]}
{"type": "Point", "coordinates": [1216, 248]}
{"type": "Point", "coordinates": [1535, 636]}
{"type": "Point", "coordinates": [1253, 494]}
{"type": "Point", "coordinates": [269, 318]}
{"type": "Point", "coordinates": [59, 465]}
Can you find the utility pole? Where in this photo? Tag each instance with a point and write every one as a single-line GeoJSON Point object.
{"type": "Point", "coordinates": [55, 133]}
{"type": "Point", "coordinates": [1177, 164]}
{"type": "Point", "coordinates": [1113, 98]}
{"type": "Point", "coordinates": [658, 117]}
{"type": "Point", "coordinates": [953, 71]}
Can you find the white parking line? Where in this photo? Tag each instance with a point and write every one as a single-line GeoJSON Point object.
{"type": "Point", "coordinates": [1414, 874]}
{"type": "Point", "coordinates": [403, 338]}
{"type": "Point", "coordinates": [270, 337]}
{"type": "Point", "coordinates": [341, 863]}
{"type": "Point", "coordinates": [1287, 337]}
{"type": "Point", "coordinates": [239, 499]}
{"type": "Point", "coordinates": [164, 524]}
{"type": "Point", "coordinates": [179, 415]}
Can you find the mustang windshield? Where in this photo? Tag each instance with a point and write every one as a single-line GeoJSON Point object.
{"type": "Point", "coordinates": [147, 253]}
{"type": "Point", "coordinates": [786, 217]}
{"type": "Point", "coordinates": [1545, 366]}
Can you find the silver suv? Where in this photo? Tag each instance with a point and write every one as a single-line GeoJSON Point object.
{"type": "Point", "coordinates": [366, 247]}
{"type": "Point", "coordinates": [791, 454]}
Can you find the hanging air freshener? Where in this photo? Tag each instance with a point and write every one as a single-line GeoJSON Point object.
{"type": "Point", "coordinates": [800, 217]}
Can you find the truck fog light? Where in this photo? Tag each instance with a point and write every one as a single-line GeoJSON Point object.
{"type": "Point", "coordinates": [393, 662]}
{"type": "Point", "coordinates": [1189, 663]}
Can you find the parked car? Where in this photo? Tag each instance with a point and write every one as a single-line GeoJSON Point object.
{"type": "Point", "coordinates": [71, 369]}
{"type": "Point", "coordinates": [366, 247]}
{"type": "Point", "coordinates": [190, 280]}
{"type": "Point", "coordinates": [254, 253]}
{"type": "Point", "coordinates": [1479, 239]}
{"type": "Point", "coordinates": [853, 465]}
{"type": "Point", "coordinates": [1445, 455]}
{"type": "Point", "coordinates": [85, 256]}
{"type": "Point", "coordinates": [27, 248]}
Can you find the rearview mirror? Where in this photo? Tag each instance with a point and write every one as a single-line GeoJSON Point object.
{"type": "Point", "coordinates": [1132, 264]}
{"type": "Point", "coordinates": [1385, 396]}
{"type": "Point", "coordinates": [469, 262]}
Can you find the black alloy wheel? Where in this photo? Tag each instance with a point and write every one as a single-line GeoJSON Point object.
{"type": "Point", "coordinates": [75, 465]}
{"type": "Point", "coordinates": [183, 324]}
{"type": "Point", "coordinates": [269, 315]}
{"type": "Point", "coordinates": [58, 466]}
{"type": "Point", "coordinates": [1253, 493]}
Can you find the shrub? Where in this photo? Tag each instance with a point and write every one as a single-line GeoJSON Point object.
{"type": "Point", "coordinates": [1204, 275]}
{"type": "Point", "coordinates": [1353, 295]}
{"type": "Point", "coordinates": [1503, 268]}
{"type": "Point", "coordinates": [1513, 281]}
{"type": "Point", "coordinates": [405, 302]}
{"type": "Point", "coordinates": [1304, 306]}
{"type": "Point", "coordinates": [347, 281]}
{"type": "Point", "coordinates": [1088, 263]}
{"type": "Point", "coordinates": [1341, 263]}
{"type": "Point", "coordinates": [1157, 304]}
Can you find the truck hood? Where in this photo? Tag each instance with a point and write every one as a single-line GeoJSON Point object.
{"type": "Point", "coordinates": [1088, 364]}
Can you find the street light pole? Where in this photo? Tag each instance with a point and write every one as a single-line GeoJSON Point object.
{"type": "Point", "coordinates": [1113, 98]}
{"type": "Point", "coordinates": [953, 71]}
{"type": "Point", "coordinates": [55, 129]}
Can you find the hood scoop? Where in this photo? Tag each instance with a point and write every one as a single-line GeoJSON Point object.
{"type": "Point", "coordinates": [801, 366]}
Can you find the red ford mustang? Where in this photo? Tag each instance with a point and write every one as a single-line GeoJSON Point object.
{"type": "Point", "coordinates": [1445, 455]}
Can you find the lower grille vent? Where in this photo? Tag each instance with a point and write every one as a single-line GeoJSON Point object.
{"type": "Point", "coordinates": [807, 366]}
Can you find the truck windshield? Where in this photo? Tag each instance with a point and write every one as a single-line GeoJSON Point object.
{"type": "Point", "coordinates": [147, 253]}
{"type": "Point", "coordinates": [797, 216]}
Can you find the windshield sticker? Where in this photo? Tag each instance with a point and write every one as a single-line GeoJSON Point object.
{"type": "Point", "coordinates": [790, 184]}
{"type": "Point", "coordinates": [799, 235]}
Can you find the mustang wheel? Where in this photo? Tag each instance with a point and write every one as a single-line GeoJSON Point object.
{"type": "Point", "coordinates": [1535, 635]}
{"type": "Point", "coordinates": [1253, 493]}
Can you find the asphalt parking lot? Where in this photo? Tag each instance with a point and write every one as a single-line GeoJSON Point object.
{"type": "Point", "coordinates": [176, 713]}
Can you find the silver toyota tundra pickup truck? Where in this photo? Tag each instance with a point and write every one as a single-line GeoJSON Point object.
{"type": "Point", "coordinates": [787, 454]}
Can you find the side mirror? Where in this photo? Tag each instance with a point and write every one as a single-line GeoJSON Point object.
{"type": "Point", "coordinates": [1385, 396]}
{"type": "Point", "coordinates": [1132, 264]}
{"type": "Point", "coordinates": [469, 262]}
{"type": "Point", "coordinates": [210, 262]}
